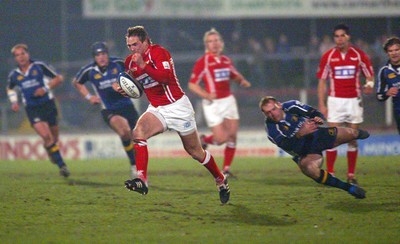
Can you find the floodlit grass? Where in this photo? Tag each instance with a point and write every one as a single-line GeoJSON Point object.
{"type": "Point", "coordinates": [271, 202]}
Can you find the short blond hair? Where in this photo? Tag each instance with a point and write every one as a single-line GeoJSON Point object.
{"type": "Point", "coordinates": [212, 31]}
{"type": "Point", "coordinates": [20, 45]}
{"type": "Point", "coordinates": [265, 100]}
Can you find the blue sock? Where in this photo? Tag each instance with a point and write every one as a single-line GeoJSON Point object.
{"type": "Point", "coordinates": [55, 155]}
{"type": "Point", "coordinates": [329, 180]}
{"type": "Point", "coordinates": [130, 151]}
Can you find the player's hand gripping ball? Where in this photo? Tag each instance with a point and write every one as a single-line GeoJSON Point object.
{"type": "Point", "coordinates": [132, 87]}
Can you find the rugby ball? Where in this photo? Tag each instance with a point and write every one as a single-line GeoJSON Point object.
{"type": "Point", "coordinates": [132, 87]}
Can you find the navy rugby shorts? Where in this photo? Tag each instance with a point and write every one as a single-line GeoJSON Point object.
{"type": "Point", "coordinates": [46, 112]}
{"type": "Point", "coordinates": [324, 138]}
{"type": "Point", "coordinates": [128, 112]}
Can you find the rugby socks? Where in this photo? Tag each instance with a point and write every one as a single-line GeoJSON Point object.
{"type": "Point", "coordinates": [142, 158]}
{"type": "Point", "coordinates": [362, 134]}
{"type": "Point", "coordinates": [352, 153]}
{"type": "Point", "coordinates": [331, 155]}
{"type": "Point", "coordinates": [55, 156]}
{"type": "Point", "coordinates": [326, 178]}
{"type": "Point", "coordinates": [210, 164]}
{"type": "Point", "coordinates": [229, 153]}
{"type": "Point", "coordinates": [209, 139]}
{"type": "Point", "coordinates": [130, 151]}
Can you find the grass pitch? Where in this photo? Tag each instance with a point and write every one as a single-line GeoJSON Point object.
{"type": "Point", "coordinates": [271, 202]}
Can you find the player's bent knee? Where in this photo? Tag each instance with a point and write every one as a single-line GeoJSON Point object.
{"type": "Point", "coordinates": [311, 167]}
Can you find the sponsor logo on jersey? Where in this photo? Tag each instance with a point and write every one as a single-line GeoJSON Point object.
{"type": "Point", "coordinates": [221, 74]}
{"type": "Point", "coordinates": [20, 77]}
{"type": "Point", "coordinates": [115, 71]}
{"type": "Point", "coordinates": [30, 83]}
{"type": "Point", "coordinates": [106, 83]}
{"type": "Point", "coordinates": [335, 60]}
{"type": "Point", "coordinates": [353, 59]}
{"type": "Point", "coordinates": [166, 65]}
{"type": "Point", "coordinates": [34, 73]}
{"type": "Point", "coordinates": [285, 127]}
{"type": "Point", "coordinates": [147, 81]}
{"type": "Point", "coordinates": [391, 75]}
{"type": "Point", "coordinates": [97, 76]}
{"type": "Point", "coordinates": [345, 72]}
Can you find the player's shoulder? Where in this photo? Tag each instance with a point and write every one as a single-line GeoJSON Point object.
{"type": "Point", "coordinates": [226, 58]}
{"type": "Point", "coordinates": [128, 60]}
{"type": "Point", "coordinates": [156, 48]}
{"type": "Point", "coordinates": [202, 58]}
{"type": "Point", "coordinates": [387, 69]}
{"type": "Point", "coordinates": [13, 73]}
{"type": "Point", "coordinates": [87, 67]}
{"type": "Point", "coordinates": [116, 59]}
{"type": "Point", "coordinates": [330, 52]}
{"type": "Point", "coordinates": [39, 63]}
{"type": "Point", "coordinates": [356, 50]}
{"type": "Point", "coordinates": [43, 66]}
{"type": "Point", "coordinates": [291, 103]}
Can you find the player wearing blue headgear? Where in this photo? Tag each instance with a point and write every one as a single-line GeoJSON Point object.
{"type": "Point", "coordinates": [36, 80]}
{"type": "Point", "coordinates": [117, 111]}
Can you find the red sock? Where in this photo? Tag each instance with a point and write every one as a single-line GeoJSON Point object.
{"type": "Point", "coordinates": [210, 164]}
{"type": "Point", "coordinates": [209, 139]}
{"type": "Point", "coordinates": [330, 160]}
{"type": "Point", "coordinates": [351, 161]}
{"type": "Point", "coordinates": [229, 153]}
{"type": "Point", "coordinates": [142, 159]}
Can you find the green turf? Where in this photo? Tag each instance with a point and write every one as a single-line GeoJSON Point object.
{"type": "Point", "coordinates": [271, 202]}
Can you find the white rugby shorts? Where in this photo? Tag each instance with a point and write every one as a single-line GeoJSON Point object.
{"type": "Point", "coordinates": [219, 109]}
{"type": "Point", "coordinates": [178, 116]}
{"type": "Point", "coordinates": [345, 110]}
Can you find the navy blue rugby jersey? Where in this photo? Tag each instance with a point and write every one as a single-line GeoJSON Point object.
{"type": "Point", "coordinates": [102, 81]}
{"type": "Point", "coordinates": [37, 76]}
{"type": "Point", "coordinates": [283, 132]}
{"type": "Point", "coordinates": [389, 76]}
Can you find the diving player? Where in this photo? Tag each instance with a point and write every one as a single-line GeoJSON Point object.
{"type": "Point", "coordinates": [294, 127]}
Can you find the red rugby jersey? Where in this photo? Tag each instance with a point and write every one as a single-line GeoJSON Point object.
{"type": "Point", "coordinates": [158, 77]}
{"type": "Point", "coordinates": [216, 72]}
{"type": "Point", "coordinates": [343, 71]}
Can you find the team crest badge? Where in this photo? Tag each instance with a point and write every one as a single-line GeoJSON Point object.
{"type": "Point", "coordinates": [34, 73]}
{"type": "Point", "coordinates": [187, 124]}
{"type": "Point", "coordinates": [115, 71]}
